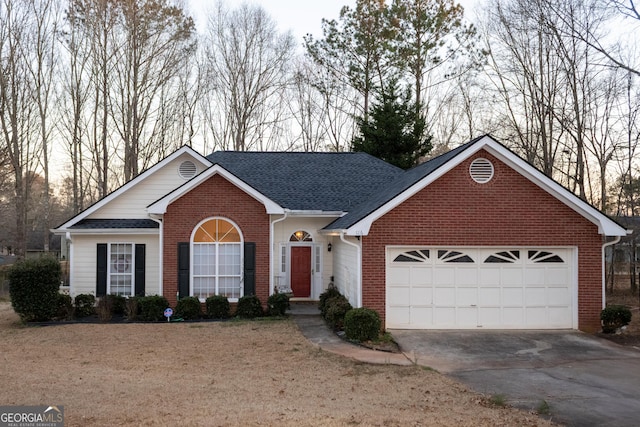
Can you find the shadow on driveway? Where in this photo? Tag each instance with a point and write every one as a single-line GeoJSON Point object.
{"type": "Point", "coordinates": [584, 380]}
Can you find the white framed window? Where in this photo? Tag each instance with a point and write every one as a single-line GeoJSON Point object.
{"type": "Point", "coordinates": [216, 260]}
{"type": "Point", "coordinates": [120, 279]}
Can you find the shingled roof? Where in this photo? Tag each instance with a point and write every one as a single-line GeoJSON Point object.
{"type": "Point", "coordinates": [310, 181]}
{"type": "Point", "coordinates": [395, 187]}
{"type": "Point", "coordinates": [95, 224]}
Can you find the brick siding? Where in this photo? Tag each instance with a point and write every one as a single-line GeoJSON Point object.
{"type": "Point", "coordinates": [507, 211]}
{"type": "Point", "coordinates": [216, 197]}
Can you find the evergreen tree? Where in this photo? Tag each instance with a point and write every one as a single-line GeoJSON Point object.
{"type": "Point", "coordinates": [393, 131]}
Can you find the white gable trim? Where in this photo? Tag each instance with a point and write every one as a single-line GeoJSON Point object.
{"type": "Point", "coordinates": [605, 225]}
{"type": "Point", "coordinates": [160, 207]}
{"type": "Point", "coordinates": [135, 181]}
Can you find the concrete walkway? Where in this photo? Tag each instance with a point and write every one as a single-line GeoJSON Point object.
{"type": "Point", "coordinates": [582, 380]}
{"type": "Point", "coordinates": [314, 328]}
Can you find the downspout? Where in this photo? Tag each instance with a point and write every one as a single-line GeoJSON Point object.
{"type": "Point", "coordinates": [272, 250]}
{"type": "Point", "coordinates": [158, 219]}
{"type": "Point", "coordinates": [358, 268]}
{"type": "Point", "coordinates": [70, 243]}
{"type": "Point", "coordinates": [604, 283]}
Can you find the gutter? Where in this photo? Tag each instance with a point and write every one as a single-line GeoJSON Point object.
{"type": "Point", "coordinates": [358, 266]}
{"type": "Point", "coordinates": [604, 266]}
{"type": "Point", "coordinates": [272, 249]}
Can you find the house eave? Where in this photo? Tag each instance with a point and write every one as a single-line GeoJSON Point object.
{"type": "Point", "coordinates": [316, 213]}
{"type": "Point", "coordinates": [605, 225]}
{"type": "Point", "coordinates": [102, 231]}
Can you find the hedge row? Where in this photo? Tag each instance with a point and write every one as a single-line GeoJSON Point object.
{"type": "Point", "coordinates": [34, 286]}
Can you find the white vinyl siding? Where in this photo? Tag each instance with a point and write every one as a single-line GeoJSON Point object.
{"type": "Point", "coordinates": [82, 273]}
{"type": "Point", "coordinates": [133, 203]}
{"type": "Point", "coordinates": [346, 269]}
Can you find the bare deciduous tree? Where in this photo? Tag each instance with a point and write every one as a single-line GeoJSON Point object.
{"type": "Point", "coordinates": [18, 114]}
{"type": "Point", "coordinates": [246, 65]}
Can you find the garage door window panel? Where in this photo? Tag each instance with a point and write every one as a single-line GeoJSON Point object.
{"type": "Point", "coordinates": [454, 256]}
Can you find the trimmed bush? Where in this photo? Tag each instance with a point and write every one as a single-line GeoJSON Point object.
{"type": "Point", "coordinates": [118, 304]}
{"type": "Point", "coordinates": [337, 308]}
{"type": "Point", "coordinates": [85, 305]}
{"type": "Point", "coordinates": [278, 304]}
{"type": "Point", "coordinates": [332, 291]}
{"type": "Point", "coordinates": [614, 317]}
{"type": "Point", "coordinates": [65, 307]}
{"type": "Point", "coordinates": [218, 307]}
{"type": "Point", "coordinates": [151, 308]}
{"type": "Point", "coordinates": [33, 288]}
{"type": "Point", "coordinates": [188, 308]}
{"type": "Point", "coordinates": [362, 324]}
{"type": "Point", "coordinates": [249, 307]}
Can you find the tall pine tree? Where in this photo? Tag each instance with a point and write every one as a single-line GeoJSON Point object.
{"type": "Point", "coordinates": [393, 131]}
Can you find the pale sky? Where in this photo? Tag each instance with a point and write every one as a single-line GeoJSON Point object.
{"type": "Point", "coordinates": [299, 16]}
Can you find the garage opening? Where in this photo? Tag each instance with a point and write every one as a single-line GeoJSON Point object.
{"type": "Point", "coordinates": [491, 288]}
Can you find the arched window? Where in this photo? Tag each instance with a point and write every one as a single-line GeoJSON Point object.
{"type": "Point", "coordinates": [217, 259]}
{"type": "Point", "coordinates": [301, 236]}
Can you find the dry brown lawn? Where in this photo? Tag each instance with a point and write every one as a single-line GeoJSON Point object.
{"type": "Point", "coordinates": [222, 373]}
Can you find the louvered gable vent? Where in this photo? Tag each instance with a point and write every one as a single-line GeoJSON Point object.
{"type": "Point", "coordinates": [481, 170]}
{"type": "Point", "coordinates": [187, 169]}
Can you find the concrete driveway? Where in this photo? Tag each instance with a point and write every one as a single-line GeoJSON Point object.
{"type": "Point", "coordinates": [584, 380]}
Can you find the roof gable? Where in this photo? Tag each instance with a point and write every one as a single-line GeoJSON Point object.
{"type": "Point", "coordinates": [96, 210]}
{"type": "Point", "coordinates": [160, 206]}
{"type": "Point", "coordinates": [359, 220]}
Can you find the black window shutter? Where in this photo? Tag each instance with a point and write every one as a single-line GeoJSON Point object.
{"type": "Point", "coordinates": [249, 268]}
{"type": "Point", "coordinates": [101, 270]}
{"type": "Point", "coordinates": [140, 269]}
{"type": "Point", "coordinates": [183, 269]}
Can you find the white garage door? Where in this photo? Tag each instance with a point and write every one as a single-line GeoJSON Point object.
{"type": "Point", "coordinates": [491, 288]}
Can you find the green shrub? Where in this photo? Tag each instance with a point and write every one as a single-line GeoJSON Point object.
{"type": "Point", "coordinates": [188, 308]}
{"type": "Point", "coordinates": [151, 308]}
{"type": "Point", "coordinates": [85, 305]}
{"type": "Point", "coordinates": [218, 307]}
{"type": "Point", "coordinates": [337, 308]}
{"type": "Point", "coordinates": [118, 304]}
{"type": "Point", "coordinates": [65, 307]}
{"type": "Point", "coordinates": [249, 307]}
{"type": "Point", "coordinates": [332, 291]}
{"type": "Point", "coordinates": [278, 304]}
{"type": "Point", "coordinates": [362, 324]}
{"type": "Point", "coordinates": [614, 317]}
{"type": "Point", "coordinates": [33, 288]}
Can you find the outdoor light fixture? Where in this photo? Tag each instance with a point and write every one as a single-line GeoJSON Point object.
{"type": "Point", "coordinates": [329, 247]}
{"type": "Point", "coordinates": [299, 235]}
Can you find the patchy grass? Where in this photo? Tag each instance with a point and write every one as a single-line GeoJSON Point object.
{"type": "Point", "coordinates": [242, 373]}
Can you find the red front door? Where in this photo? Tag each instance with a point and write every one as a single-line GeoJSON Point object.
{"type": "Point", "coordinates": [301, 271]}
